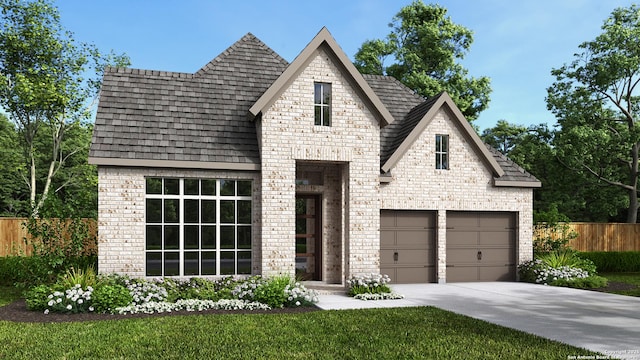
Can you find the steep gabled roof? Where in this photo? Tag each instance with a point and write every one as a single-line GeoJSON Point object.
{"type": "Point", "coordinates": [325, 41]}
{"type": "Point", "coordinates": [158, 118]}
{"type": "Point", "coordinates": [412, 114]}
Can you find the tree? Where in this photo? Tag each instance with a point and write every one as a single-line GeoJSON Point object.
{"type": "Point", "coordinates": [595, 100]}
{"type": "Point", "coordinates": [12, 198]}
{"type": "Point", "coordinates": [504, 136]}
{"type": "Point", "coordinates": [43, 89]}
{"type": "Point", "coordinates": [425, 45]}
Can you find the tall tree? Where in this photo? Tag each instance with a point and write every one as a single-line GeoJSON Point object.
{"type": "Point", "coordinates": [43, 87]}
{"type": "Point", "coordinates": [12, 198]}
{"type": "Point", "coordinates": [504, 136]}
{"type": "Point", "coordinates": [595, 99]}
{"type": "Point", "coordinates": [425, 45]}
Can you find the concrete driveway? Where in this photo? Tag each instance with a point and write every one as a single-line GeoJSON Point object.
{"type": "Point", "coordinates": [601, 322]}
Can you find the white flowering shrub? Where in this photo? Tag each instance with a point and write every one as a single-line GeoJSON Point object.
{"type": "Point", "coordinates": [74, 300]}
{"type": "Point", "coordinates": [379, 296]}
{"type": "Point", "coordinates": [368, 284]}
{"type": "Point", "coordinates": [538, 272]}
{"type": "Point", "coordinates": [298, 295]}
{"type": "Point", "coordinates": [144, 291]}
{"type": "Point", "coordinates": [191, 305]}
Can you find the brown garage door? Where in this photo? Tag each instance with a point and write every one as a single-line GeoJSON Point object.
{"type": "Point", "coordinates": [481, 246]}
{"type": "Point", "coordinates": [407, 245]}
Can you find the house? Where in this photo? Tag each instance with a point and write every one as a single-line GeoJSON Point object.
{"type": "Point", "coordinates": [253, 165]}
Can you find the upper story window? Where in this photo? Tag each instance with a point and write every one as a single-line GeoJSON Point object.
{"type": "Point", "coordinates": [322, 104]}
{"type": "Point", "coordinates": [442, 152]}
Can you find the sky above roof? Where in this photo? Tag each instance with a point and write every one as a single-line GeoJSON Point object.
{"type": "Point", "coordinates": [516, 43]}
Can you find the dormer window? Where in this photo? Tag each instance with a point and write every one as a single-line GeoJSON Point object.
{"type": "Point", "coordinates": [442, 152]}
{"type": "Point", "coordinates": [322, 104]}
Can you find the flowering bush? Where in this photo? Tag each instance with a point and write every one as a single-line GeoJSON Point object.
{"type": "Point", "coordinates": [539, 272]}
{"type": "Point", "coordinates": [380, 296]}
{"type": "Point", "coordinates": [298, 295]}
{"type": "Point", "coordinates": [368, 284]}
{"type": "Point", "coordinates": [73, 300]}
{"type": "Point", "coordinates": [144, 291]}
{"type": "Point", "coordinates": [191, 305]}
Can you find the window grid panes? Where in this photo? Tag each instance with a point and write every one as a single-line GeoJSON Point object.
{"type": "Point", "coordinates": [442, 152]}
{"type": "Point", "coordinates": [322, 104]}
{"type": "Point", "coordinates": [197, 227]}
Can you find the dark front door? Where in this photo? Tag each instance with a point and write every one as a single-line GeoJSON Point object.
{"type": "Point", "coordinates": [308, 237]}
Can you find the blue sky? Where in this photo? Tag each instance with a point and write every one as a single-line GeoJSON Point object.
{"type": "Point", "coordinates": [516, 43]}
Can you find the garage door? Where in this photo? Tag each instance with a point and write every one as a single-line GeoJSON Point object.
{"type": "Point", "coordinates": [481, 246]}
{"type": "Point", "coordinates": [407, 245]}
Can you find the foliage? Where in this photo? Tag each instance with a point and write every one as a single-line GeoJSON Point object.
{"type": "Point", "coordinates": [426, 46]}
{"type": "Point", "coordinates": [9, 294]}
{"type": "Point", "coordinates": [192, 305]}
{"type": "Point", "coordinates": [56, 240]}
{"type": "Point", "coordinates": [614, 261]}
{"type": "Point", "coordinates": [561, 268]}
{"type": "Point", "coordinates": [73, 300]}
{"type": "Point", "coordinates": [200, 289]}
{"type": "Point", "coordinates": [278, 291]}
{"type": "Point", "coordinates": [595, 100]}
{"type": "Point", "coordinates": [13, 200]}
{"type": "Point", "coordinates": [107, 297]}
{"type": "Point", "coordinates": [504, 136]}
{"type": "Point", "coordinates": [44, 89]}
{"type": "Point", "coordinates": [368, 284]}
{"type": "Point", "coordinates": [78, 276]}
{"type": "Point", "coordinates": [350, 334]}
{"type": "Point", "coordinates": [552, 237]}
{"type": "Point", "coordinates": [29, 271]}
{"type": "Point", "coordinates": [36, 298]}
{"type": "Point", "coordinates": [378, 296]}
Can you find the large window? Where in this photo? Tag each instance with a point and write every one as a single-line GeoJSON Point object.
{"type": "Point", "coordinates": [322, 104]}
{"type": "Point", "coordinates": [197, 227]}
{"type": "Point", "coordinates": [442, 152]}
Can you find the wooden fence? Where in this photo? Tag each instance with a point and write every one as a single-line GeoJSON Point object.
{"type": "Point", "coordinates": [603, 236]}
{"type": "Point", "coordinates": [13, 234]}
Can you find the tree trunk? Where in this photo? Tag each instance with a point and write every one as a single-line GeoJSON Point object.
{"type": "Point", "coordinates": [632, 213]}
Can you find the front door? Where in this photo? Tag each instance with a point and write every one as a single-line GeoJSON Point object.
{"type": "Point", "coordinates": [308, 237]}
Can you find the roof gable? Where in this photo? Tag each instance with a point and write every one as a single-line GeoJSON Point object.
{"type": "Point", "coordinates": [323, 40]}
{"type": "Point", "coordinates": [417, 120]}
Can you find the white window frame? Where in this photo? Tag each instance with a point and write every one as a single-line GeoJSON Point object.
{"type": "Point", "coordinates": [218, 198]}
{"type": "Point", "coordinates": [322, 105]}
{"type": "Point", "coordinates": [442, 152]}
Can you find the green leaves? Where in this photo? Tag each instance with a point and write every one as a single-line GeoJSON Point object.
{"type": "Point", "coordinates": [595, 99]}
{"type": "Point", "coordinates": [425, 45]}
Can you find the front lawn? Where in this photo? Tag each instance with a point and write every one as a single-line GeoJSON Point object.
{"type": "Point", "coordinates": [420, 332]}
{"type": "Point", "coordinates": [617, 282]}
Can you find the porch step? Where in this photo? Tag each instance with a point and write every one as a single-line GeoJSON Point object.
{"type": "Point", "coordinates": [322, 288]}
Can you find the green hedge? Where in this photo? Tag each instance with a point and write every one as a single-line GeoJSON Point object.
{"type": "Point", "coordinates": [29, 271]}
{"type": "Point", "coordinates": [614, 261]}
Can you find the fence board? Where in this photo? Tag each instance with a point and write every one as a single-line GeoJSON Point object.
{"type": "Point", "coordinates": [13, 233]}
{"type": "Point", "coordinates": [602, 236]}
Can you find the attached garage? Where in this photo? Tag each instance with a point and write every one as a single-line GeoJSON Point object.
{"type": "Point", "coordinates": [481, 246]}
{"type": "Point", "coordinates": [408, 245]}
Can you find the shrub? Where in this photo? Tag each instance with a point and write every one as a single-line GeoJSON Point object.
{"type": "Point", "coordinates": [569, 258]}
{"type": "Point", "coordinates": [276, 292]}
{"type": "Point", "coordinates": [536, 271]}
{"type": "Point", "coordinates": [591, 282]}
{"type": "Point", "coordinates": [614, 261]}
{"type": "Point", "coordinates": [368, 284]}
{"type": "Point", "coordinates": [298, 295]}
{"type": "Point", "coordinates": [36, 298]}
{"type": "Point", "coordinates": [29, 271]}
{"type": "Point", "coordinates": [73, 277]}
{"type": "Point", "coordinates": [145, 291]}
{"type": "Point", "coordinates": [198, 288]}
{"type": "Point", "coordinates": [107, 297]}
{"type": "Point", "coordinates": [74, 300]}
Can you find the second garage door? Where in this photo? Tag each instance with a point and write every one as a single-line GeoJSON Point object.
{"type": "Point", "coordinates": [481, 246]}
{"type": "Point", "coordinates": [407, 245]}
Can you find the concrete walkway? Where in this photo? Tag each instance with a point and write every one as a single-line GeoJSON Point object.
{"type": "Point", "coordinates": [606, 323]}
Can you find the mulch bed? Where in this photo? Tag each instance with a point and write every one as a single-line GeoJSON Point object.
{"type": "Point", "coordinates": [616, 286]}
{"type": "Point", "coordinates": [17, 312]}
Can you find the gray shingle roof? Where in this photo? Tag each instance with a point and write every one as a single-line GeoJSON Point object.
{"type": "Point", "coordinates": [158, 115]}
{"type": "Point", "coordinates": [202, 117]}
{"type": "Point", "coordinates": [408, 108]}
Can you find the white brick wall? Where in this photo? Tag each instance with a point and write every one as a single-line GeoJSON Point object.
{"type": "Point", "coordinates": [466, 186]}
{"type": "Point", "coordinates": [121, 215]}
{"type": "Point", "coordinates": [288, 135]}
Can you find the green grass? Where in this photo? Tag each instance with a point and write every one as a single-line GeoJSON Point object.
{"type": "Point", "coordinates": [632, 278]}
{"type": "Point", "coordinates": [397, 333]}
{"type": "Point", "coordinates": [8, 294]}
